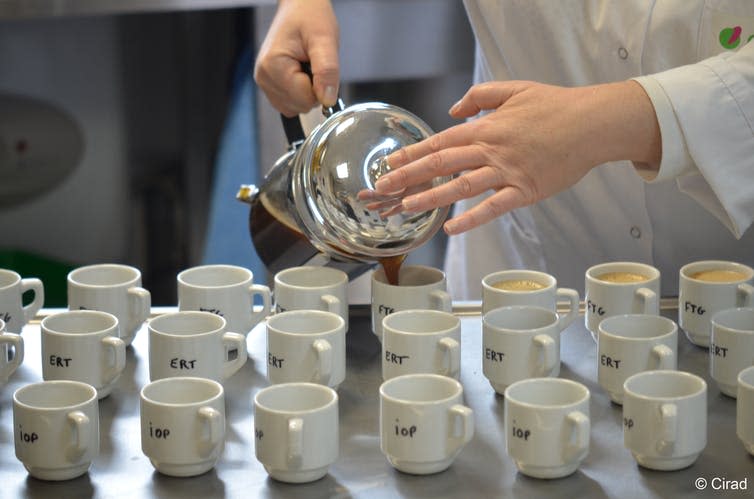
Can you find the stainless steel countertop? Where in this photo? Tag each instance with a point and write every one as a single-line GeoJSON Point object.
{"type": "Point", "coordinates": [482, 469]}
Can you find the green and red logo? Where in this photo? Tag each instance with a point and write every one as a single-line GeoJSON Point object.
{"type": "Point", "coordinates": [730, 38]}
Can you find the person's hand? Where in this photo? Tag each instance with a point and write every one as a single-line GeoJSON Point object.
{"type": "Point", "coordinates": [302, 30]}
{"type": "Point", "coordinates": [536, 141]}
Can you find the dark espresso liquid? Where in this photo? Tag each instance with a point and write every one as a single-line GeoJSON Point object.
{"type": "Point", "coordinates": [392, 267]}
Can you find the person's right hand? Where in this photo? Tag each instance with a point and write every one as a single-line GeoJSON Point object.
{"type": "Point", "coordinates": [302, 30]}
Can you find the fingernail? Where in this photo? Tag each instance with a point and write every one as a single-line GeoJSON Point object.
{"type": "Point", "coordinates": [410, 203]}
{"type": "Point", "coordinates": [331, 95]}
{"type": "Point", "coordinates": [454, 107]}
{"type": "Point", "coordinates": [450, 227]}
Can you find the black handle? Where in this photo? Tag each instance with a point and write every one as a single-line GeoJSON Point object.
{"type": "Point", "coordinates": [294, 132]}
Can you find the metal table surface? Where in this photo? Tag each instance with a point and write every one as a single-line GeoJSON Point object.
{"type": "Point", "coordinates": [483, 469]}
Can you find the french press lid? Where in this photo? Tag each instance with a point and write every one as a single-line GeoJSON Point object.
{"type": "Point", "coordinates": [346, 155]}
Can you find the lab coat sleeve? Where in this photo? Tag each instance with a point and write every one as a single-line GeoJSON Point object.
{"type": "Point", "coordinates": [706, 117]}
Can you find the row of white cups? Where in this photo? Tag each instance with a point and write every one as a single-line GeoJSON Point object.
{"type": "Point", "coordinates": [192, 351]}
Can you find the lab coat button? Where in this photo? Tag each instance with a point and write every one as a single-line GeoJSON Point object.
{"type": "Point", "coordinates": [623, 53]}
{"type": "Point", "coordinates": [635, 232]}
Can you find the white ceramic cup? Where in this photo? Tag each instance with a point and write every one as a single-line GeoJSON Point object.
{"type": "Point", "coordinates": [731, 349]}
{"type": "Point", "coordinates": [520, 342]}
{"type": "Point", "coordinates": [12, 311]}
{"type": "Point", "coordinates": [182, 425]}
{"type": "Point", "coordinates": [11, 352]}
{"type": "Point", "coordinates": [83, 345]}
{"type": "Point", "coordinates": [194, 344]}
{"type": "Point", "coordinates": [306, 346]}
{"type": "Point", "coordinates": [546, 296]}
{"type": "Point", "coordinates": [629, 344]}
{"type": "Point", "coordinates": [604, 299]}
{"type": "Point", "coordinates": [423, 422]}
{"type": "Point", "coordinates": [547, 426]}
{"type": "Point", "coordinates": [699, 300]}
{"type": "Point", "coordinates": [312, 288]}
{"type": "Point", "coordinates": [111, 288]}
{"type": "Point", "coordinates": [296, 431]}
{"type": "Point", "coordinates": [56, 428]}
{"type": "Point", "coordinates": [665, 418]}
{"type": "Point", "coordinates": [225, 290]}
{"type": "Point", "coordinates": [745, 409]}
{"type": "Point", "coordinates": [419, 287]}
{"type": "Point", "coordinates": [421, 341]}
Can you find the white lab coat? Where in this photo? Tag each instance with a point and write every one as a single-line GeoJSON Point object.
{"type": "Point", "coordinates": [702, 200]}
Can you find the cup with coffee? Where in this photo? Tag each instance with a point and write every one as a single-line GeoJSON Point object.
{"type": "Point", "coordinates": [11, 352]}
{"type": "Point", "coordinates": [528, 287]}
{"type": "Point", "coordinates": [12, 310]}
{"type": "Point", "coordinates": [618, 288]}
{"type": "Point", "coordinates": [731, 348]}
{"type": "Point", "coordinates": [665, 418]}
{"type": "Point", "coordinates": [112, 288]}
{"type": "Point", "coordinates": [419, 287]}
{"type": "Point", "coordinates": [707, 287]}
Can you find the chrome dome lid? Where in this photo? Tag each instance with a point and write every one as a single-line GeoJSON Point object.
{"type": "Point", "coordinates": [346, 155]}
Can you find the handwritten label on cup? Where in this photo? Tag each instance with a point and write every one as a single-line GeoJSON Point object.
{"type": "Point", "coordinates": [493, 355]}
{"type": "Point", "coordinates": [181, 364]}
{"type": "Point", "coordinates": [274, 361]}
{"type": "Point", "coordinates": [58, 361]}
{"type": "Point", "coordinates": [394, 358]}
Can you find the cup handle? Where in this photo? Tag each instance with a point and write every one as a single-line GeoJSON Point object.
{"type": "Point", "coordinates": [264, 292]}
{"type": "Point", "coordinates": [17, 342]}
{"type": "Point", "coordinates": [744, 292]}
{"type": "Point", "coordinates": [461, 425]}
{"type": "Point", "coordinates": [441, 300]}
{"type": "Point", "coordinates": [216, 424]}
{"type": "Point", "coordinates": [118, 348]}
{"type": "Point", "coordinates": [140, 301]}
{"type": "Point", "coordinates": [648, 300]}
{"type": "Point", "coordinates": [332, 303]}
{"type": "Point", "coordinates": [295, 442]}
{"type": "Point", "coordinates": [33, 284]}
{"type": "Point", "coordinates": [80, 423]}
{"type": "Point", "coordinates": [324, 359]}
{"type": "Point", "coordinates": [549, 356]}
{"type": "Point", "coordinates": [665, 357]}
{"type": "Point", "coordinates": [669, 430]}
{"type": "Point", "coordinates": [572, 296]}
{"type": "Point", "coordinates": [452, 351]}
{"type": "Point", "coordinates": [234, 341]}
{"type": "Point", "coordinates": [580, 431]}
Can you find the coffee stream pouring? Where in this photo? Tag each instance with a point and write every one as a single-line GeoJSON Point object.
{"type": "Point", "coordinates": [308, 210]}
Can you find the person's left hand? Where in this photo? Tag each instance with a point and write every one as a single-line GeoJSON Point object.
{"type": "Point", "coordinates": [536, 141]}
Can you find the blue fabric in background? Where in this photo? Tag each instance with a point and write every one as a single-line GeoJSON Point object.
{"type": "Point", "coordinates": [237, 162]}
